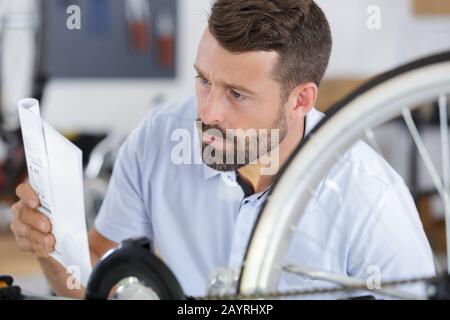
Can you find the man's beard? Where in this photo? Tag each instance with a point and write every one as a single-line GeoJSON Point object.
{"type": "Point", "coordinates": [245, 148]}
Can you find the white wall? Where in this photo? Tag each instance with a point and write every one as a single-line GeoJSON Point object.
{"type": "Point", "coordinates": [360, 52]}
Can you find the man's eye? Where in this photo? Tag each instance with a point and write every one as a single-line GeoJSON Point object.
{"type": "Point", "coordinates": [236, 95]}
{"type": "Point", "coordinates": [203, 81]}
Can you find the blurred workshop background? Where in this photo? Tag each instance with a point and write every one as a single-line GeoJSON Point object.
{"type": "Point", "coordinates": [96, 83]}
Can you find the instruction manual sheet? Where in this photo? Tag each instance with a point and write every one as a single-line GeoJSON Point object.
{"type": "Point", "coordinates": [56, 174]}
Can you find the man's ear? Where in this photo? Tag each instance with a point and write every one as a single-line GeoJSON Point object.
{"type": "Point", "coordinates": [302, 99]}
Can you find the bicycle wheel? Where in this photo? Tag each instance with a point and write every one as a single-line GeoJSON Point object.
{"type": "Point", "coordinates": [391, 95]}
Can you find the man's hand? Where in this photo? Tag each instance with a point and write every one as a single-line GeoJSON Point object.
{"type": "Point", "coordinates": [31, 228]}
{"type": "Point", "coordinates": [33, 234]}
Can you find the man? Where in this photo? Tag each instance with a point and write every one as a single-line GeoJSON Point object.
{"type": "Point", "coordinates": [259, 65]}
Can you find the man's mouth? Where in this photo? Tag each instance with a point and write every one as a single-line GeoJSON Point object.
{"type": "Point", "coordinates": [212, 140]}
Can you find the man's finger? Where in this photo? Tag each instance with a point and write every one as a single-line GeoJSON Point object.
{"type": "Point", "coordinates": [46, 240]}
{"type": "Point", "coordinates": [18, 228]}
{"type": "Point", "coordinates": [23, 230]}
{"type": "Point", "coordinates": [26, 193]}
{"type": "Point", "coordinates": [24, 244]}
{"type": "Point", "coordinates": [16, 208]}
{"type": "Point", "coordinates": [35, 219]}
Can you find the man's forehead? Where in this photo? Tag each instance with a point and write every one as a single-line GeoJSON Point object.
{"type": "Point", "coordinates": [213, 60]}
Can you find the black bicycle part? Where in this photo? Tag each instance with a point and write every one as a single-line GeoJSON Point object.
{"type": "Point", "coordinates": [133, 258]}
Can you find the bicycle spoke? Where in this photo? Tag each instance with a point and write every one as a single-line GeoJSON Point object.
{"type": "Point", "coordinates": [425, 155]}
{"type": "Point", "coordinates": [373, 141]}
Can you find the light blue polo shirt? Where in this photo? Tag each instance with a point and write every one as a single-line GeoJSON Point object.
{"type": "Point", "coordinates": [199, 219]}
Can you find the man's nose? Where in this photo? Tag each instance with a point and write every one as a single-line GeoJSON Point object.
{"type": "Point", "coordinates": [212, 111]}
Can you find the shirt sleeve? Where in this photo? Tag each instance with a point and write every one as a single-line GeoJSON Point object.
{"type": "Point", "coordinates": [125, 212]}
{"type": "Point", "coordinates": [392, 245]}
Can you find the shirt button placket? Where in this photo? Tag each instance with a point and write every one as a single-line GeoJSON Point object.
{"type": "Point", "coordinates": [241, 234]}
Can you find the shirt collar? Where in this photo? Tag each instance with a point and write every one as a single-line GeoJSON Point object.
{"type": "Point", "coordinates": [209, 172]}
{"type": "Point", "coordinates": [312, 119]}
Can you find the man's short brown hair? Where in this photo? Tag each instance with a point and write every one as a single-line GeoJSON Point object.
{"type": "Point", "coordinates": [297, 29]}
